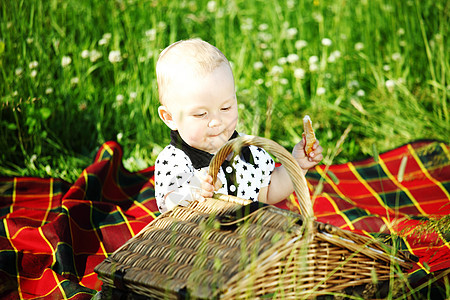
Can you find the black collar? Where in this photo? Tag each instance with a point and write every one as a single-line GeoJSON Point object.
{"type": "Point", "coordinates": [200, 158]}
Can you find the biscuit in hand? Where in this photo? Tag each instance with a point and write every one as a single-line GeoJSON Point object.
{"type": "Point", "coordinates": [309, 134]}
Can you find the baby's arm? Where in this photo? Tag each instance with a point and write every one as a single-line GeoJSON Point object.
{"type": "Point", "coordinates": [280, 184]}
{"type": "Point", "coordinates": [175, 180]}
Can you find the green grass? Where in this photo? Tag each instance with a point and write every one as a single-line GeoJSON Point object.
{"type": "Point", "coordinates": [379, 66]}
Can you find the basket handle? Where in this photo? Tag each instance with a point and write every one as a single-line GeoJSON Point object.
{"type": "Point", "coordinates": [286, 159]}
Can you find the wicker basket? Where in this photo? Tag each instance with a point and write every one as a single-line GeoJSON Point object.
{"type": "Point", "coordinates": [230, 248]}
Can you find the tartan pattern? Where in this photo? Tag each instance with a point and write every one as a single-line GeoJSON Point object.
{"type": "Point", "coordinates": [53, 233]}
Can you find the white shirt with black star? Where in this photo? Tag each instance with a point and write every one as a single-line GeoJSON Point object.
{"type": "Point", "coordinates": [175, 176]}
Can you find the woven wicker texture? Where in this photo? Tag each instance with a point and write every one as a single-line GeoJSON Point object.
{"type": "Point", "coordinates": [230, 248]}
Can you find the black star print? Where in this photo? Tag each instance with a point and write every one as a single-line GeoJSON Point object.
{"type": "Point", "coordinates": [249, 183]}
{"type": "Point", "coordinates": [244, 167]}
{"type": "Point", "coordinates": [168, 173]}
{"type": "Point", "coordinates": [256, 166]}
{"type": "Point", "coordinates": [172, 183]}
{"type": "Point", "coordinates": [165, 162]}
{"type": "Point", "coordinates": [179, 176]}
{"type": "Point", "coordinates": [259, 149]}
{"type": "Point", "coordinates": [257, 190]}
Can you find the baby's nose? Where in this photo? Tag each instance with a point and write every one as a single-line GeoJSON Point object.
{"type": "Point", "coordinates": [214, 122]}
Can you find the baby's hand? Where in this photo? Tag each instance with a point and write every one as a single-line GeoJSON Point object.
{"type": "Point", "coordinates": [207, 186]}
{"type": "Point", "coordinates": [307, 161]}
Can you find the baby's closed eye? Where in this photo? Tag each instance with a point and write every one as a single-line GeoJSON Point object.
{"type": "Point", "coordinates": [200, 115]}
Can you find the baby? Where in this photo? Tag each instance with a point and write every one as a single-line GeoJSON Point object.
{"type": "Point", "coordinates": [198, 103]}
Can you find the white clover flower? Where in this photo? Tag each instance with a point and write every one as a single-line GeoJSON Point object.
{"type": "Point", "coordinates": [49, 90]}
{"type": "Point", "coordinates": [264, 36]}
{"type": "Point", "coordinates": [115, 56]}
{"type": "Point", "coordinates": [94, 55]}
{"type": "Point", "coordinates": [65, 61]}
{"type": "Point", "coordinates": [313, 59]}
{"type": "Point", "coordinates": [162, 25]}
{"type": "Point", "coordinates": [402, 43]}
{"type": "Point", "coordinates": [360, 93]}
{"type": "Point", "coordinates": [119, 136]}
{"type": "Point", "coordinates": [33, 73]}
{"type": "Point", "coordinates": [390, 84]}
{"type": "Point", "coordinates": [313, 67]}
{"type": "Point", "coordinates": [119, 98]}
{"type": "Point", "coordinates": [18, 72]}
{"type": "Point", "coordinates": [291, 32]}
{"type": "Point", "coordinates": [32, 65]}
{"type": "Point", "coordinates": [290, 4]}
{"type": "Point", "coordinates": [15, 93]}
{"type": "Point", "coordinates": [258, 65]}
{"type": "Point", "coordinates": [326, 42]}
{"type": "Point", "coordinates": [300, 44]}
{"type": "Point", "coordinates": [74, 80]}
{"type": "Point", "coordinates": [133, 95]}
{"type": "Point", "coordinates": [284, 81]}
{"type": "Point", "coordinates": [317, 17]}
{"type": "Point", "coordinates": [247, 24]}
{"type": "Point", "coordinates": [396, 56]}
{"type": "Point", "coordinates": [267, 54]}
{"type": "Point", "coordinates": [263, 46]}
{"type": "Point", "coordinates": [299, 73]}
{"type": "Point", "coordinates": [263, 27]}
{"type": "Point", "coordinates": [334, 56]}
{"type": "Point", "coordinates": [353, 84]}
{"type": "Point", "coordinates": [320, 91]}
{"type": "Point", "coordinates": [107, 36]}
{"type": "Point", "coordinates": [151, 34]}
{"type": "Point", "coordinates": [30, 40]}
{"type": "Point", "coordinates": [401, 31]}
{"type": "Point", "coordinates": [85, 54]}
{"type": "Point", "coordinates": [282, 60]}
{"type": "Point", "coordinates": [103, 42]}
{"type": "Point", "coordinates": [211, 6]}
{"type": "Point", "coordinates": [292, 58]}
{"type": "Point", "coordinates": [276, 70]}
{"type": "Point", "coordinates": [359, 46]}
{"type": "Point", "coordinates": [387, 68]}
{"type": "Point", "coordinates": [259, 81]}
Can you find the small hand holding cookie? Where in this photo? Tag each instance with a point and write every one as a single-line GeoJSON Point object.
{"type": "Point", "coordinates": [308, 151]}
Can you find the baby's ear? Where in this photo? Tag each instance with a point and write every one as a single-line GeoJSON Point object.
{"type": "Point", "coordinates": [166, 116]}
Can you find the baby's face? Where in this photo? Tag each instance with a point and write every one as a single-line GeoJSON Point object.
{"type": "Point", "coordinates": [204, 109]}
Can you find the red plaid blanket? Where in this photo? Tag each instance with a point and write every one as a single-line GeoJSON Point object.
{"type": "Point", "coordinates": [53, 234]}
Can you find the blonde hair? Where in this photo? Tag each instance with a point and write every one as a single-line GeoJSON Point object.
{"type": "Point", "coordinates": [194, 56]}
